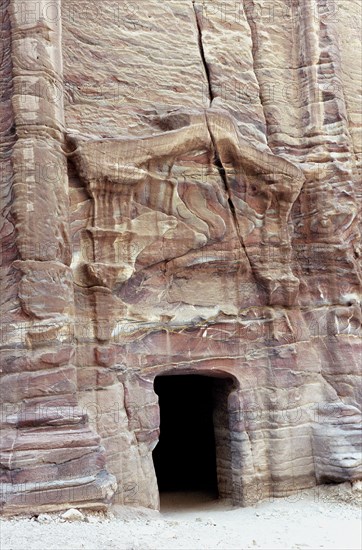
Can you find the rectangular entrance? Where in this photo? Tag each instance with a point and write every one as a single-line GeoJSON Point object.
{"type": "Point", "coordinates": [194, 444]}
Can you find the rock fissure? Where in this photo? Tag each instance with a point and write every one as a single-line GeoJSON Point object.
{"type": "Point", "coordinates": [223, 177]}
{"type": "Point", "coordinates": [202, 53]}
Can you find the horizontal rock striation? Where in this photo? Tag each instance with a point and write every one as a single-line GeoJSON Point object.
{"type": "Point", "coordinates": [49, 455]}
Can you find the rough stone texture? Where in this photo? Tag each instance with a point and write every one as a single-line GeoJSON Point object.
{"type": "Point", "coordinates": [181, 193]}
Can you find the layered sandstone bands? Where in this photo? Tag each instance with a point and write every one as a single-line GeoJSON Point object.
{"type": "Point", "coordinates": [212, 152]}
{"type": "Point", "coordinates": [49, 456]}
{"type": "Point", "coordinates": [255, 190]}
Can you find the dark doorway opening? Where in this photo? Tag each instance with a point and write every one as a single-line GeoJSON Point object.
{"type": "Point", "coordinates": [185, 456]}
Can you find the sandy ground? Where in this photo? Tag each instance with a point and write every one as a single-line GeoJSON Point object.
{"type": "Point", "coordinates": [327, 517]}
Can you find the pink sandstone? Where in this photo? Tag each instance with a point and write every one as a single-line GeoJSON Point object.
{"type": "Point", "coordinates": [180, 194]}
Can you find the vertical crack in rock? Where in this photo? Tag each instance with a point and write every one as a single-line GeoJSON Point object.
{"type": "Point", "coordinates": [219, 165]}
{"type": "Point", "coordinates": [202, 53]}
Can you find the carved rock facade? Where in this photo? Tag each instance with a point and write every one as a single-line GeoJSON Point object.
{"type": "Point", "coordinates": [180, 195]}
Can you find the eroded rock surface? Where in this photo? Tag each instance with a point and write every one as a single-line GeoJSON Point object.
{"type": "Point", "coordinates": [180, 194]}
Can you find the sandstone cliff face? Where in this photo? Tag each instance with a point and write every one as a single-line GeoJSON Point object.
{"type": "Point", "coordinates": [180, 194]}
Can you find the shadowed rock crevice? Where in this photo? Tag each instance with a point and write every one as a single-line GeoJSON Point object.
{"type": "Point", "coordinates": [202, 52]}
{"type": "Point", "coordinates": [221, 170]}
